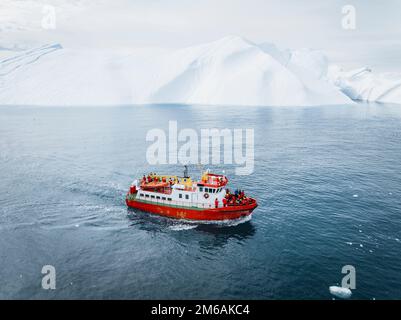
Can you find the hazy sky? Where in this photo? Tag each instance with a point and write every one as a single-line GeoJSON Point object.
{"type": "Point", "coordinates": [375, 41]}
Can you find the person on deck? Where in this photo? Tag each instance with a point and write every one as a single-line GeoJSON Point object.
{"type": "Point", "coordinates": [216, 203]}
{"type": "Point", "coordinates": [224, 202]}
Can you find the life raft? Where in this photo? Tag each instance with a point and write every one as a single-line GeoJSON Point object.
{"type": "Point", "coordinates": [154, 185]}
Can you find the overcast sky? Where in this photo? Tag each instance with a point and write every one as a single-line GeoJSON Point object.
{"type": "Point", "coordinates": [375, 41]}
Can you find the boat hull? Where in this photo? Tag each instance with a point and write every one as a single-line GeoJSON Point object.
{"type": "Point", "coordinates": [191, 213]}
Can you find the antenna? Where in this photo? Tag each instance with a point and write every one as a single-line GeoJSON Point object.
{"type": "Point", "coordinates": [200, 168]}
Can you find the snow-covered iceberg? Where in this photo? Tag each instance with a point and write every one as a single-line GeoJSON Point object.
{"type": "Point", "coordinates": [363, 84]}
{"type": "Point", "coordinates": [230, 71]}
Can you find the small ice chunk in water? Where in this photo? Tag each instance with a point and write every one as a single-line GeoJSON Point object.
{"type": "Point", "coordinates": [340, 292]}
{"type": "Point", "coordinates": [361, 245]}
{"type": "Point", "coordinates": [355, 196]}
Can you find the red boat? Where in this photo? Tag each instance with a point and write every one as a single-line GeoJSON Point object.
{"type": "Point", "coordinates": [182, 198]}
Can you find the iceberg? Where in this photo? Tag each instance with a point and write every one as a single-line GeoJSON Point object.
{"type": "Point", "coordinates": [229, 71]}
{"type": "Point", "coordinates": [340, 292]}
{"type": "Point", "coordinates": [363, 84]}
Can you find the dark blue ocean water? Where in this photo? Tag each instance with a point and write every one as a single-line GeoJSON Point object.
{"type": "Point", "coordinates": [327, 179]}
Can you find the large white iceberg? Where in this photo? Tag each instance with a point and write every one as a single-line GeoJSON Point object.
{"type": "Point", "coordinates": [230, 71]}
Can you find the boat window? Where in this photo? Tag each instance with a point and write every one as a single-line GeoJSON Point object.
{"type": "Point", "coordinates": [141, 194]}
{"type": "Point", "coordinates": [180, 196]}
{"type": "Point", "coordinates": [186, 196]}
{"type": "Point", "coordinates": [157, 197]}
{"type": "Point", "coordinates": [169, 199]}
{"type": "Point", "coordinates": [201, 189]}
{"type": "Point", "coordinates": [213, 190]}
{"type": "Point", "coordinates": [163, 198]}
{"type": "Point", "coordinates": [152, 197]}
{"type": "Point", "coordinates": [206, 189]}
{"type": "Point", "coordinates": [146, 195]}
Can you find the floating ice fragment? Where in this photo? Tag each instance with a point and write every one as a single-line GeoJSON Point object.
{"type": "Point", "coordinates": [355, 196]}
{"type": "Point", "coordinates": [340, 292]}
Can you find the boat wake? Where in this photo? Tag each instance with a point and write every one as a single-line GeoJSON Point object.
{"type": "Point", "coordinates": [182, 227]}
{"type": "Point", "coordinates": [190, 224]}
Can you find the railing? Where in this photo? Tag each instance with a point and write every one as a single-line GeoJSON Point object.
{"type": "Point", "coordinates": [199, 205]}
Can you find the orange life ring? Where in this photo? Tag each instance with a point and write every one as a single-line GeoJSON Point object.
{"type": "Point", "coordinates": [206, 195]}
